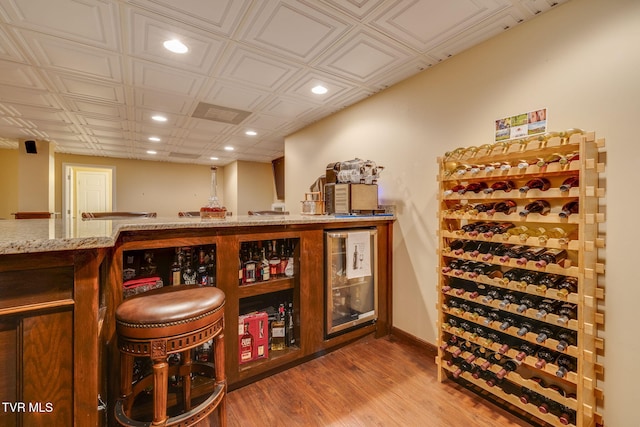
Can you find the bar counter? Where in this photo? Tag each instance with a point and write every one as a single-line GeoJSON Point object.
{"type": "Point", "coordinates": [47, 235]}
{"type": "Point", "coordinates": [61, 280]}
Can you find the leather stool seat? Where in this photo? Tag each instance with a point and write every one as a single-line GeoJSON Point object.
{"type": "Point", "coordinates": [163, 322]}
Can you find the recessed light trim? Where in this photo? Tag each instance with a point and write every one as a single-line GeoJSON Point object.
{"type": "Point", "coordinates": [159, 118]}
{"type": "Point", "coordinates": [151, 152]}
{"type": "Point", "coordinates": [175, 46]}
{"type": "Point", "coordinates": [229, 148]}
{"type": "Point", "coordinates": [319, 90]}
{"type": "Point", "coordinates": [213, 158]}
{"type": "Point", "coordinates": [154, 139]}
{"type": "Point", "coordinates": [251, 133]}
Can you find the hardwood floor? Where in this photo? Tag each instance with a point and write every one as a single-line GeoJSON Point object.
{"type": "Point", "coordinates": [375, 382]}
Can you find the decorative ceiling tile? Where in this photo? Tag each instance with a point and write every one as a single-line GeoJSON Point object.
{"type": "Point", "coordinates": [151, 75]}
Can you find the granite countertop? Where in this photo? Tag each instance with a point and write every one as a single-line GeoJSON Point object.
{"type": "Point", "coordinates": [45, 235]}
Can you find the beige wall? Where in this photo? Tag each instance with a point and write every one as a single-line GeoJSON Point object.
{"type": "Point", "coordinates": [256, 187]}
{"type": "Point", "coordinates": [8, 183]}
{"type": "Point", "coordinates": [580, 61]}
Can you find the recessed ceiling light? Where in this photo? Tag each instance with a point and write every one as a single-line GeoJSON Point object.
{"type": "Point", "coordinates": [251, 133]}
{"type": "Point", "coordinates": [319, 90]}
{"type": "Point", "coordinates": [154, 139]}
{"type": "Point", "coordinates": [175, 46]}
{"type": "Point", "coordinates": [228, 148]}
{"type": "Point", "coordinates": [151, 152]}
{"type": "Point", "coordinates": [159, 118]}
{"type": "Point", "coordinates": [213, 158]}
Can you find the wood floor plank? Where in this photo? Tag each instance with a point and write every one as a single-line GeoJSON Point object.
{"type": "Point", "coordinates": [374, 382]}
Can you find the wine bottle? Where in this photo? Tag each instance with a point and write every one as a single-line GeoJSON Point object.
{"type": "Point", "coordinates": [491, 271]}
{"type": "Point", "coordinates": [498, 251]}
{"type": "Point", "coordinates": [509, 365]}
{"type": "Point", "coordinates": [531, 254]}
{"type": "Point", "coordinates": [527, 278]}
{"type": "Point", "coordinates": [542, 184]}
{"type": "Point", "coordinates": [493, 358]}
{"type": "Point", "coordinates": [481, 208]}
{"type": "Point", "coordinates": [507, 299]}
{"type": "Point", "coordinates": [505, 186]}
{"type": "Point", "coordinates": [523, 164]}
{"type": "Point", "coordinates": [513, 252]}
{"type": "Point", "coordinates": [572, 181]}
{"type": "Point", "coordinates": [201, 268]}
{"type": "Point", "coordinates": [474, 187]}
{"type": "Point", "coordinates": [454, 245]}
{"type": "Point", "coordinates": [477, 312]}
{"type": "Point", "coordinates": [507, 322]}
{"type": "Point", "coordinates": [493, 315]}
{"type": "Point", "coordinates": [512, 275]}
{"type": "Point", "coordinates": [451, 342]}
{"type": "Point", "coordinates": [544, 333]}
{"type": "Point", "coordinates": [515, 231]}
{"type": "Point", "coordinates": [566, 415]}
{"type": "Point", "coordinates": [545, 307]}
{"type": "Point", "coordinates": [482, 248]}
{"type": "Point", "coordinates": [455, 189]}
{"type": "Point", "coordinates": [541, 207]}
{"type": "Point", "coordinates": [548, 281]}
{"type": "Point", "coordinates": [529, 396]}
{"type": "Point", "coordinates": [569, 208]}
{"type": "Point", "coordinates": [565, 364]}
{"type": "Point", "coordinates": [565, 339]}
{"type": "Point", "coordinates": [525, 349]}
{"type": "Point", "coordinates": [497, 228]}
{"type": "Point", "coordinates": [526, 302]}
{"type": "Point", "coordinates": [491, 295]}
{"type": "Point", "coordinates": [468, 228]}
{"type": "Point", "coordinates": [506, 207]}
{"type": "Point", "coordinates": [544, 356]}
{"type": "Point", "coordinates": [532, 232]}
{"type": "Point", "coordinates": [566, 312]}
{"type": "Point", "coordinates": [551, 256]}
{"type": "Point", "coordinates": [555, 233]}
{"type": "Point", "coordinates": [568, 285]}
{"type": "Point", "coordinates": [553, 158]}
{"type": "Point", "coordinates": [524, 328]}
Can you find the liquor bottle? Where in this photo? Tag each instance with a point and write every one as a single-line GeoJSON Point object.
{"type": "Point", "coordinates": [290, 332]}
{"type": "Point", "coordinates": [565, 339]}
{"type": "Point", "coordinates": [551, 256]}
{"type": "Point", "coordinates": [454, 189]}
{"type": "Point", "coordinates": [498, 228]}
{"type": "Point", "coordinates": [211, 266]}
{"type": "Point", "coordinates": [565, 364]}
{"type": "Point", "coordinates": [264, 266]}
{"type": "Point", "coordinates": [289, 270]}
{"type": "Point", "coordinates": [175, 277]}
{"type": "Point", "coordinates": [526, 302]}
{"type": "Point", "coordinates": [567, 285]}
{"type": "Point", "coordinates": [531, 254]}
{"type": "Point", "coordinates": [506, 207]}
{"type": "Point", "coordinates": [202, 277]}
{"type": "Point", "coordinates": [548, 281]}
{"type": "Point", "coordinates": [569, 208]}
{"type": "Point", "coordinates": [509, 365]}
{"type": "Point", "coordinates": [542, 184]}
{"type": "Point", "coordinates": [505, 186]}
{"type": "Point", "coordinates": [572, 181]}
{"type": "Point", "coordinates": [546, 306]}
{"type": "Point", "coordinates": [566, 312]}
{"type": "Point", "coordinates": [240, 269]}
{"type": "Point", "coordinates": [250, 267]}
{"type": "Point", "coordinates": [189, 275]}
{"type": "Point", "coordinates": [555, 233]}
{"type": "Point", "coordinates": [278, 330]}
{"type": "Point", "coordinates": [474, 187]}
{"type": "Point", "coordinates": [246, 345]}
{"type": "Point", "coordinates": [541, 207]}
{"type": "Point", "coordinates": [544, 356]}
{"type": "Point", "coordinates": [284, 259]}
{"type": "Point", "coordinates": [274, 261]}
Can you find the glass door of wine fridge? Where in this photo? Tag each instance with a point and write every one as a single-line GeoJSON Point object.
{"type": "Point", "coordinates": [351, 291]}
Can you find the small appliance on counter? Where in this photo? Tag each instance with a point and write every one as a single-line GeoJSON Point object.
{"type": "Point", "coordinates": [351, 187]}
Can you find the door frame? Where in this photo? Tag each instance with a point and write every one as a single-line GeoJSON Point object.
{"type": "Point", "coordinates": [69, 185]}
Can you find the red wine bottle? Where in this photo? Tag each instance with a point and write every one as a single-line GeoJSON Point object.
{"type": "Point", "coordinates": [498, 228]}
{"type": "Point", "coordinates": [526, 349]}
{"type": "Point", "coordinates": [568, 285]}
{"type": "Point", "coordinates": [565, 339]}
{"type": "Point", "coordinates": [474, 187]}
{"type": "Point", "coordinates": [506, 207]}
{"type": "Point", "coordinates": [526, 302]}
{"type": "Point", "coordinates": [572, 181]}
{"type": "Point", "coordinates": [505, 186]}
{"type": "Point", "coordinates": [547, 306]}
{"type": "Point", "coordinates": [544, 356]}
{"type": "Point", "coordinates": [565, 364]}
{"type": "Point", "coordinates": [569, 208]}
{"type": "Point", "coordinates": [541, 184]}
{"type": "Point", "coordinates": [454, 189]}
{"type": "Point", "coordinates": [551, 256]}
{"type": "Point", "coordinates": [566, 312]}
{"type": "Point", "coordinates": [541, 207]}
{"type": "Point", "coordinates": [531, 254]}
{"type": "Point", "coordinates": [509, 365]}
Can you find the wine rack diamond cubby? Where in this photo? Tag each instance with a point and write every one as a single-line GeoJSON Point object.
{"type": "Point", "coordinates": [519, 300]}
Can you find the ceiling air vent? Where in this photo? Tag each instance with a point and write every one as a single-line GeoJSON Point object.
{"type": "Point", "coordinates": [184, 156]}
{"type": "Point", "coordinates": [218, 113]}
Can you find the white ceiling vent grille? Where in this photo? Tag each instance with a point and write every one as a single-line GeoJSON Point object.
{"type": "Point", "coordinates": [218, 113]}
{"type": "Point", "coordinates": [184, 155]}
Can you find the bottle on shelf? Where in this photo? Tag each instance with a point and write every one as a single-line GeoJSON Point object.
{"type": "Point", "coordinates": [541, 207]}
{"type": "Point", "coordinates": [553, 158]}
{"type": "Point", "coordinates": [525, 349]}
{"type": "Point", "coordinates": [529, 396]}
{"type": "Point", "coordinates": [506, 207]}
{"type": "Point", "coordinates": [542, 184]}
{"type": "Point", "coordinates": [201, 268]}
{"type": "Point", "coordinates": [509, 365]}
{"type": "Point", "coordinates": [566, 416]}
{"type": "Point", "coordinates": [478, 312]}
{"type": "Point", "coordinates": [568, 285]}
{"type": "Point", "coordinates": [507, 322]}
{"type": "Point", "coordinates": [493, 358]}
{"type": "Point", "coordinates": [278, 330]}
{"type": "Point", "coordinates": [493, 315]}
{"type": "Point", "coordinates": [474, 187]}
{"type": "Point", "coordinates": [505, 186]}
{"type": "Point", "coordinates": [513, 252]}
{"type": "Point", "coordinates": [492, 294]}
{"type": "Point", "coordinates": [175, 276]}
{"type": "Point", "coordinates": [548, 281]}
{"type": "Point", "coordinates": [566, 312]}
{"type": "Point", "coordinates": [527, 278]}
{"type": "Point", "coordinates": [565, 339]}
{"type": "Point", "coordinates": [567, 184]}
{"type": "Point", "coordinates": [211, 266]}
{"type": "Point", "coordinates": [544, 356]}
{"type": "Point", "coordinates": [565, 364]}
{"type": "Point", "coordinates": [497, 228]}
{"type": "Point", "coordinates": [531, 254]}
{"type": "Point", "coordinates": [546, 306]}
{"type": "Point", "coordinates": [246, 345]}
{"type": "Point", "coordinates": [551, 256]}
{"type": "Point", "coordinates": [265, 269]}
{"type": "Point", "coordinates": [453, 341]}
{"type": "Point", "coordinates": [455, 189]}
{"type": "Point", "coordinates": [555, 233]}
{"type": "Point", "coordinates": [544, 333]}
{"type": "Point", "coordinates": [454, 245]}
{"type": "Point", "coordinates": [249, 267]}
{"type": "Point", "coordinates": [524, 328]}
{"type": "Point", "coordinates": [481, 208]}
{"type": "Point", "coordinates": [491, 271]}
{"type": "Point", "coordinates": [274, 260]}
{"type": "Point", "coordinates": [523, 164]}
{"type": "Point", "coordinates": [569, 208]}
{"type": "Point", "coordinates": [515, 231]}
{"type": "Point", "coordinates": [532, 232]}
{"type": "Point", "coordinates": [526, 302]}
{"type": "Point", "coordinates": [289, 270]}
{"type": "Point", "coordinates": [290, 337]}
{"type": "Point", "coordinates": [512, 275]}
{"type": "Point", "coordinates": [189, 275]}
{"type": "Point", "coordinates": [498, 251]}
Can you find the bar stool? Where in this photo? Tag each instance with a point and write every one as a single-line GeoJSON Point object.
{"type": "Point", "coordinates": [164, 322]}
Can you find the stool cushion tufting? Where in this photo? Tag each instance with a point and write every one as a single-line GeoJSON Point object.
{"type": "Point", "coordinates": [168, 310]}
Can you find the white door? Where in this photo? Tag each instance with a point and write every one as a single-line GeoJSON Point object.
{"type": "Point", "coordinates": [92, 191]}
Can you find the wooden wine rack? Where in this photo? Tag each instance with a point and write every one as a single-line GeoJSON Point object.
{"type": "Point", "coordinates": [466, 165]}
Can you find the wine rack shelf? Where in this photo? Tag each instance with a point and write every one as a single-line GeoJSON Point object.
{"type": "Point", "coordinates": [562, 373]}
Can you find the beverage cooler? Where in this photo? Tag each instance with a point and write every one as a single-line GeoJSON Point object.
{"type": "Point", "coordinates": [351, 284]}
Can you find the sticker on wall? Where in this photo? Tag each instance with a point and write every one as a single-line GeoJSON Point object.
{"type": "Point", "coordinates": [521, 125]}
